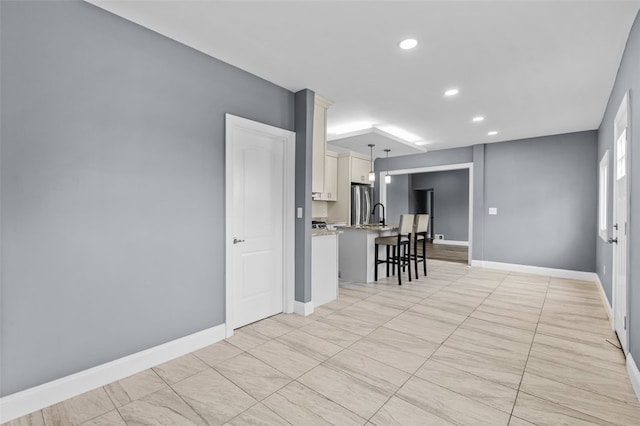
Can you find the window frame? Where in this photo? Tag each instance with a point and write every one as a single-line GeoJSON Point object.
{"type": "Point", "coordinates": [603, 196]}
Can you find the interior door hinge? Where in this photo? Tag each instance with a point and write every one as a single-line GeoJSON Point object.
{"type": "Point", "coordinates": [625, 322]}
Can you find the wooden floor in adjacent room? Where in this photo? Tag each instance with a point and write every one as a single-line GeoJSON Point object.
{"type": "Point", "coordinates": [448, 253]}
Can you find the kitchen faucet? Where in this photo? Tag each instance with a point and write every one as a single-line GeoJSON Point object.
{"type": "Point", "coordinates": [373, 212]}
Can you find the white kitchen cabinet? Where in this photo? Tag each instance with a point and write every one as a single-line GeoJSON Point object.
{"type": "Point", "coordinates": [360, 170]}
{"type": "Point", "coordinates": [352, 168]}
{"type": "Point", "coordinates": [330, 178]}
{"type": "Point", "coordinates": [324, 269]}
{"type": "Point", "coordinates": [319, 143]}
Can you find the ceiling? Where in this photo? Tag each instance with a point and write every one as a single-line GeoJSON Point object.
{"type": "Point", "coordinates": [531, 68]}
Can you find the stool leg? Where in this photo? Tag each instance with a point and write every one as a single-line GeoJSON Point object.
{"type": "Point", "coordinates": [393, 264]}
{"type": "Point", "coordinates": [388, 260]}
{"type": "Point", "coordinates": [375, 265]}
{"type": "Point", "coordinates": [409, 257]}
{"type": "Point", "coordinates": [398, 259]}
{"type": "Point", "coordinates": [415, 254]}
{"type": "Point", "coordinates": [424, 255]}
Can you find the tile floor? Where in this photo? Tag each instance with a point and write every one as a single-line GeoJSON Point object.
{"type": "Point", "coordinates": [463, 346]}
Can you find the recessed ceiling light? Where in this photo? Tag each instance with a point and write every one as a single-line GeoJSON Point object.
{"type": "Point", "coordinates": [399, 133]}
{"type": "Point", "coordinates": [492, 133]}
{"type": "Point", "coordinates": [477, 119]}
{"type": "Point", "coordinates": [420, 143]}
{"type": "Point", "coordinates": [408, 43]}
{"type": "Point", "coordinates": [451, 92]}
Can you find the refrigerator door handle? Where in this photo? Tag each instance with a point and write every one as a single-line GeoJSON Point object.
{"type": "Point", "coordinates": [367, 204]}
{"type": "Point", "coordinates": [358, 201]}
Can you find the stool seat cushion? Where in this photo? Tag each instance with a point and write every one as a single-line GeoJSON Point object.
{"type": "Point", "coordinates": [390, 241]}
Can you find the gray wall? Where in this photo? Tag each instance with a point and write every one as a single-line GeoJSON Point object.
{"type": "Point", "coordinates": [304, 162]}
{"type": "Point", "coordinates": [112, 174]}
{"type": "Point", "coordinates": [545, 190]}
{"type": "Point", "coordinates": [451, 201]}
{"type": "Point", "coordinates": [397, 198]}
{"type": "Point", "coordinates": [628, 79]}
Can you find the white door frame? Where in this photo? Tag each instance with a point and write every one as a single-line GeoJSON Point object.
{"type": "Point", "coordinates": [457, 166]}
{"type": "Point", "coordinates": [231, 123]}
{"type": "Point", "coordinates": [622, 109]}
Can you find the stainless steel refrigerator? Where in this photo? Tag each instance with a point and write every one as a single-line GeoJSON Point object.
{"type": "Point", "coordinates": [361, 203]}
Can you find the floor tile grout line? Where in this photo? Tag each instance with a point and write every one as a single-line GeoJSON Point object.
{"type": "Point", "coordinates": [429, 358]}
{"type": "Point", "coordinates": [524, 370]}
{"type": "Point", "coordinates": [175, 391]}
{"type": "Point", "coordinates": [557, 381]}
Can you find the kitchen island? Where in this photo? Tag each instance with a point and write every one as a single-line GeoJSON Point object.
{"type": "Point", "coordinates": [357, 252]}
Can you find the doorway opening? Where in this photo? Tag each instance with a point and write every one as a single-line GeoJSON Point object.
{"type": "Point", "coordinates": [463, 248]}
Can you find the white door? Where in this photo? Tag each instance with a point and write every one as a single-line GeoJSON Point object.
{"type": "Point", "coordinates": [619, 240]}
{"type": "Point", "coordinates": [257, 194]}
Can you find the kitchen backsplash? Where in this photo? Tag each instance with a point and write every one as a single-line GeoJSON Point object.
{"type": "Point", "coordinates": [319, 209]}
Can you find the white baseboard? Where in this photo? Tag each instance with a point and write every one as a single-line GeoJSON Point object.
{"type": "Point", "coordinates": [36, 398]}
{"type": "Point", "coordinates": [537, 270]}
{"type": "Point", "coordinates": [302, 308]}
{"type": "Point", "coordinates": [605, 301]}
{"type": "Point", "coordinates": [452, 242]}
{"type": "Point", "coordinates": [634, 374]}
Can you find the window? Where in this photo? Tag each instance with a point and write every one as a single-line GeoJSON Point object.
{"type": "Point", "coordinates": [621, 154]}
{"type": "Point", "coordinates": [603, 195]}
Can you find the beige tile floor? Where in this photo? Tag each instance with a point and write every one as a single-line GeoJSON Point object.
{"type": "Point", "coordinates": [463, 346]}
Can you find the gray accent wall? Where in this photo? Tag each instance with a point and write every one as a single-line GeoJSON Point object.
{"type": "Point", "coordinates": [451, 201]}
{"type": "Point", "coordinates": [545, 190]}
{"type": "Point", "coordinates": [304, 162]}
{"type": "Point", "coordinates": [397, 198]}
{"type": "Point", "coordinates": [628, 79]}
{"type": "Point", "coordinates": [112, 187]}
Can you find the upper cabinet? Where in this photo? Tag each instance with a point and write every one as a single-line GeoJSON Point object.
{"type": "Point", "coordinates": [319, 144]}
{"type": "Point", "coordinates": [330, 178]}
{"type": "Point", "coordinates": [360, 170]}
{"type": "Point", "coordinates": [352, 168]}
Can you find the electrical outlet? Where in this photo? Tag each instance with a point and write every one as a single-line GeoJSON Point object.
{"type": "Point", "coordinates": [299, 212]}
{"type": "Point", "coordinates": [604, 269]}
{"type": "Point", "coordinates": [493, 211]}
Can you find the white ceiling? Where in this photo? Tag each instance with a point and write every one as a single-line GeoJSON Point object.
{"type": "Point", "coordinates": [532, 68]}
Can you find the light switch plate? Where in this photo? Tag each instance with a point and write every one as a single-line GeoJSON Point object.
{"type": "Point", "coordinates": [493, 210]}
{"type": "Point", "coordinates": [299, 212]}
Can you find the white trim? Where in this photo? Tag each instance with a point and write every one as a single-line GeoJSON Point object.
{"type": "Point", "coordinates": [621, 121]}
{"type": "Point", "coordinates": [33, 399]}
{"type": "Point", "coordinates": [634, 374]}
{"type": "Point", "coordinates": [605, 301]}
{"type": "Point", "coordinates": [603, 196]}
{"type": "Point", "coordinates": [446, 167]}
{"type": "Point", "coordinates": [302, 308]}
{"type": "Point", "coordinates": [452, 242]}
{"type": "Point", "coordinates": [537, 270]}
{"type": "Point", "coordinates": [289, 137]}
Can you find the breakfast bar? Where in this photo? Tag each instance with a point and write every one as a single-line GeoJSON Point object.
{"type": "Point", "coordinates": [357, 251]}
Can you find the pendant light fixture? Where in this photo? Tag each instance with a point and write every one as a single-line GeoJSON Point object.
{"type": "Point", "coordinates": [372, 174]}
{"type": "Point", "coordinates": [387, 178]}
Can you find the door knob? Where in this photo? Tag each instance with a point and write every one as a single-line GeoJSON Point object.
{"type": "Point", "coordinates": [237, 240]}
{"type": "Point", "coordinates": [612, 240]}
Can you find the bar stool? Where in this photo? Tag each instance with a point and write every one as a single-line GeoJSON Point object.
{"type": "Point", "coordinates": [401, 246]}
{"type": "Point", "coordinates": [420, 228]}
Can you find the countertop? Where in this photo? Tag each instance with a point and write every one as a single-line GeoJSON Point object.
{"type": "Point", "coordinates": [323, 232]}
{"type": "Point", "coordinates": [376, 228]}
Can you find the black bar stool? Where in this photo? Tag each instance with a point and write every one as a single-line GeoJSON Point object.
{"type": "Point", "coordinates": [420, 229]}
{"type": "Point", "coordinates": [401, 249]}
